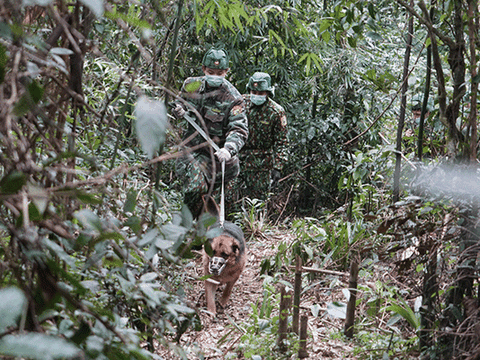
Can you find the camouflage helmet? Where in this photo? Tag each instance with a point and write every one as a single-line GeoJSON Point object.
{"type": "Point", "coordinates": [216, 59]}
{"type": "Point", "coordinates": [261, 81]}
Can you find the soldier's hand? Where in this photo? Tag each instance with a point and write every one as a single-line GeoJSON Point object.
{"type": "Point", "coordinates": [223, 155]}
{"type": "Point", "coordinates": [275, 177]}
{"type": "Point", "coordinates": [179, 111]}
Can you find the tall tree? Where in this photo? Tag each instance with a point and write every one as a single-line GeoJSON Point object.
{"type": "Point", "coordinates": [403, 106]}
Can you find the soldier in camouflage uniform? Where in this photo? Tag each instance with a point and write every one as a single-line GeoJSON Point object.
{"type": "Point", "coordinates": [223, 111]}
{"type": "Point", "coordinates": [265, 153]}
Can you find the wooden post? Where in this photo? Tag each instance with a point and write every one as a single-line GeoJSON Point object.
{"type": "Point", "coordinates": [283, 319]}
{"type": "Point", "coordinates": [302, 351]}
{"type": "Point", "coordinates": [352, 287]}
{"type": "Point", "coordinates": [296, 294]}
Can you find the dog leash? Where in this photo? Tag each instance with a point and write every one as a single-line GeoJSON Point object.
{"type": "Point", "coordinates": [222, 197]}
{"type": "Point", "coordinates": [197, 127]}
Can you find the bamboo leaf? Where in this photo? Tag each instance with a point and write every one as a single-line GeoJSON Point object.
{"type": "Point", "coordinates": [337, 310]}
{"type": "Point", "coordinates": [12, 304]}
{"type": "Point", "coordinates": [37, 346]}
{"type": "Point", "coordinates": [407, 313]}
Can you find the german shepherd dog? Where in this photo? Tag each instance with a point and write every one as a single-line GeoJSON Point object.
{"type": "Point", "coordinates": [228, 260]}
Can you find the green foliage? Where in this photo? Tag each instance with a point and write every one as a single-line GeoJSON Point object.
{"type": "Point", "coordinates": [218, 15]}
{"type": "Point", "coordinates": [132, 17]}
{"type": "Point", "coordinates": [407, 313]}
{"type": "Point", "coordinates": [12, 182]}
{"type": "Point", "coordinates": [310, 58]}
{"type": "Point", "coordinates": [37, 346]}
{"type": "Point", "coordinates": [319, 243]}
{"type": "Point", "coordinates": [95, 236]}
{"type": "Point", "coordinates": [117, 282]}
{"type": "Point", "coordinates": [253, 217]}
{"type": "Point", "coordinates": [364, 179]}
{"type": "Point", "coordinates": [12, 306]}
{"type": "Point", "coordinates": [259, 332]}
{"type": "Point", "coordinates": [32, 96]}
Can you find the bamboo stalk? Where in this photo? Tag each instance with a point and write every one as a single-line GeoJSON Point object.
{"type": "Point", "coordinates": [352, 287]}
{"type": "Point", "coordinates": [283, 320]}
{"type": "Point", "coordinates": [302, 351]}
{"type": "Point", "coordinates": [296, 294]}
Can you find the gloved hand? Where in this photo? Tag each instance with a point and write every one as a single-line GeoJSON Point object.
{"type": "Point", "coordinates": [275, 177]}
{"type": "Point", "coordinates": [179, 111]}
{"type": "Point", "coordinates": [223, 155]}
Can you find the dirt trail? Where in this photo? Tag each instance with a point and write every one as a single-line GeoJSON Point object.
{"type": "Point", "coordinates": [247, 291]}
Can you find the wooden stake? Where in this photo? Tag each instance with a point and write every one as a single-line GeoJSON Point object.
{"type": "Point", "coordinates": [296, 294]}
{"type": "Point", "coordinates": [283, 320]}
{"type": "Point", "coordinates": [302, 351]}
{"type": "Point", "coordinates": [352, 287]}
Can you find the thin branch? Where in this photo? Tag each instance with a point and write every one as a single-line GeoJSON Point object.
{"type": "Point", "coordinates": [388, 106]}
{"type": "Point", "coordinates": [426, 21]}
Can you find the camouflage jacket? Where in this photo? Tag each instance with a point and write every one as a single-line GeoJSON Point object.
{"type": "Point", "coordinates": [267, 143]}
{"type": "Point", "coordinates": [223, 111]}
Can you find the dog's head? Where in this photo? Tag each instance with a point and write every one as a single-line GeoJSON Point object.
{"type": "Point", "coordinates": [226, 251]}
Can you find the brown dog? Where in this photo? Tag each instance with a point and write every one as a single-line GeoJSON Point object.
{"type": "Point", "coordinates": [228, 260]}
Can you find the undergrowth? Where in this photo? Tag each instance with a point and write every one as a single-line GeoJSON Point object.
{"type": "Point", "coordinates": [395, 248]}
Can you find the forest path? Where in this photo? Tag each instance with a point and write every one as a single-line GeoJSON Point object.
{"type": "Point", "coordinates": [247, 291]}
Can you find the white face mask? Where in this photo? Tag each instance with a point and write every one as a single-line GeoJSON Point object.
{"type": "Point", "coordinates": [258, 99]}
{"type": "Point", "coordinates": [214, 80]}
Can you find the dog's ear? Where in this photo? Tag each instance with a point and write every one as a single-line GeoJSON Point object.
{"type": "Point", "coordinates": [210, 205]}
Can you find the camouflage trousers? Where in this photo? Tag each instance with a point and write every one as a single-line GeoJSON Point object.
{"type": "Point", "coordinates": [196, 170]}
{"type": "Point", "coordinates": [254, 184]}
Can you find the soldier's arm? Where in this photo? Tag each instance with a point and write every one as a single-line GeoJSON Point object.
{"type": "Point", "coordinates": [237, 127]}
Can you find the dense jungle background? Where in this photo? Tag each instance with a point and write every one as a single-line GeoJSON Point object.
{"type": "Point", "coordinates": [97, 251]}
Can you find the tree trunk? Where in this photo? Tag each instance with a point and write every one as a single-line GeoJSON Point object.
{"type": "Point", "coordinates": [472, 119]}
{"type": "Point", "coordinates": [308, 173]}
{"type": "Point", "coordinates": [457, 65]}
{"type": "Point", "coordinates": [401, 119]}
{"type": "Point", "coordinates": [426, 93]}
